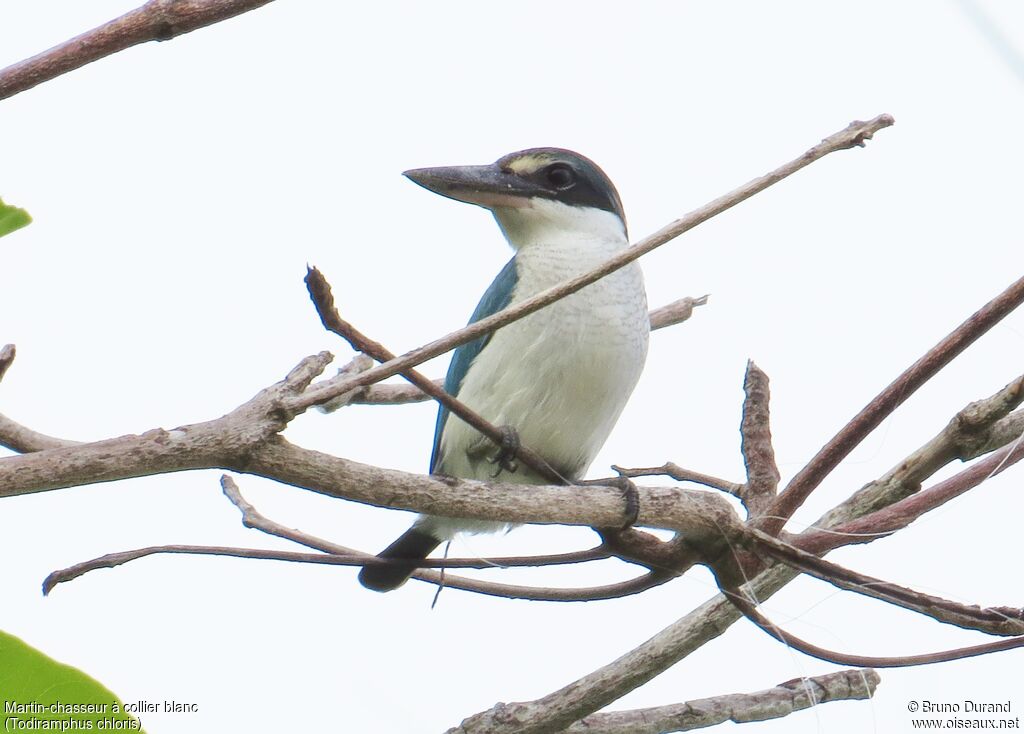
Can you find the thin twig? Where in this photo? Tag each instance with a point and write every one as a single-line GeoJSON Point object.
{"type": "Point", "coordinates": [617, 590]}
{"type": "Point", "coordinates": [993, 620]}
{"type": "Point", "coordinates": [866, 661]}
{"type": "Point", "coordinates": [850, 436]}
{"type": "Point", "coordinates": [157, 20]}
{"type": "Point", "coordinates": [853, 135]}
{"type": "Point", "coordinates": [111, 560]}
{"type": "Point", "coordinates": [670, 469]}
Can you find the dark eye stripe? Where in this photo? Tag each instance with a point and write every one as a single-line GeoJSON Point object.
{"type": "Point", "coordinates": [589, 186]}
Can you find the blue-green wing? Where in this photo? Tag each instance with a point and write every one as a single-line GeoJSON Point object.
{"type": "Point", "coordinates": [497, 297]}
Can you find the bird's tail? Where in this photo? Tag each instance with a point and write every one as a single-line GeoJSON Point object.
{"type": "Point", "coordinates": [413, 545]}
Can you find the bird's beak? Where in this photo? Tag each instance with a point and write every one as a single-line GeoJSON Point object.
{"type": "Point", "coordinates": [487, 186]}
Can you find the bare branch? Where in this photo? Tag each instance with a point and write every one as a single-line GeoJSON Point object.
{"type": "Point", "coordinates": [853, 135]}
{"type": "Point", "coordinates": [157, 20]}
{"type": "Point", "coordinates": [756, 446]}
{"type": "Point", "coordinates": [236, 442]}
{"type": "Point", "coordinates": [740, 708]}
{"type": "Point", "coordinates": [698, 514]}
{"type": "Point", "coordinates": [850, 436]}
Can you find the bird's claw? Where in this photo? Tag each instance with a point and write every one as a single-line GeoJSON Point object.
{"type": "Point", "coordinates": [630, 495]}
{"type": "Point", "coordinates": [505, 458]}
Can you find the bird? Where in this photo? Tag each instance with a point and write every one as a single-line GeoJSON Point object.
{"type": "Point", "coordinates": [557, 379]}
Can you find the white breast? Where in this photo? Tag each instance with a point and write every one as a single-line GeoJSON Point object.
{"type": "Point", "coordinates": [560, 376]}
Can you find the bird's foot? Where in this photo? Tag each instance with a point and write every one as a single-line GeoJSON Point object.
{"type": "Point", "coordinates": [505, 458]}
{"type": "Point", "coordinates": [630, 495]}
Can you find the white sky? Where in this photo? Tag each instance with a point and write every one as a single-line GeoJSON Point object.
{"type": "Point", "coordinates": [179, 189]}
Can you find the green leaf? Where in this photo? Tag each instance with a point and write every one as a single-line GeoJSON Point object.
{"type": "Point", "coordinates": [12, 218]}
{"type": "Point", "coordinates": [35, 688]}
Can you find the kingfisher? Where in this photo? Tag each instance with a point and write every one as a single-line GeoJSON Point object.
{"type": "Point", "coordinates": [556, 380]}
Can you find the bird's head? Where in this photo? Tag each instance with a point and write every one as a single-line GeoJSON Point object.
{"type": "Point", "coordinates": [535, 193]}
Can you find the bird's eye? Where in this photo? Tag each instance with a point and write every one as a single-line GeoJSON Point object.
{"type": "Point", "coordinates": [561, 176]}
